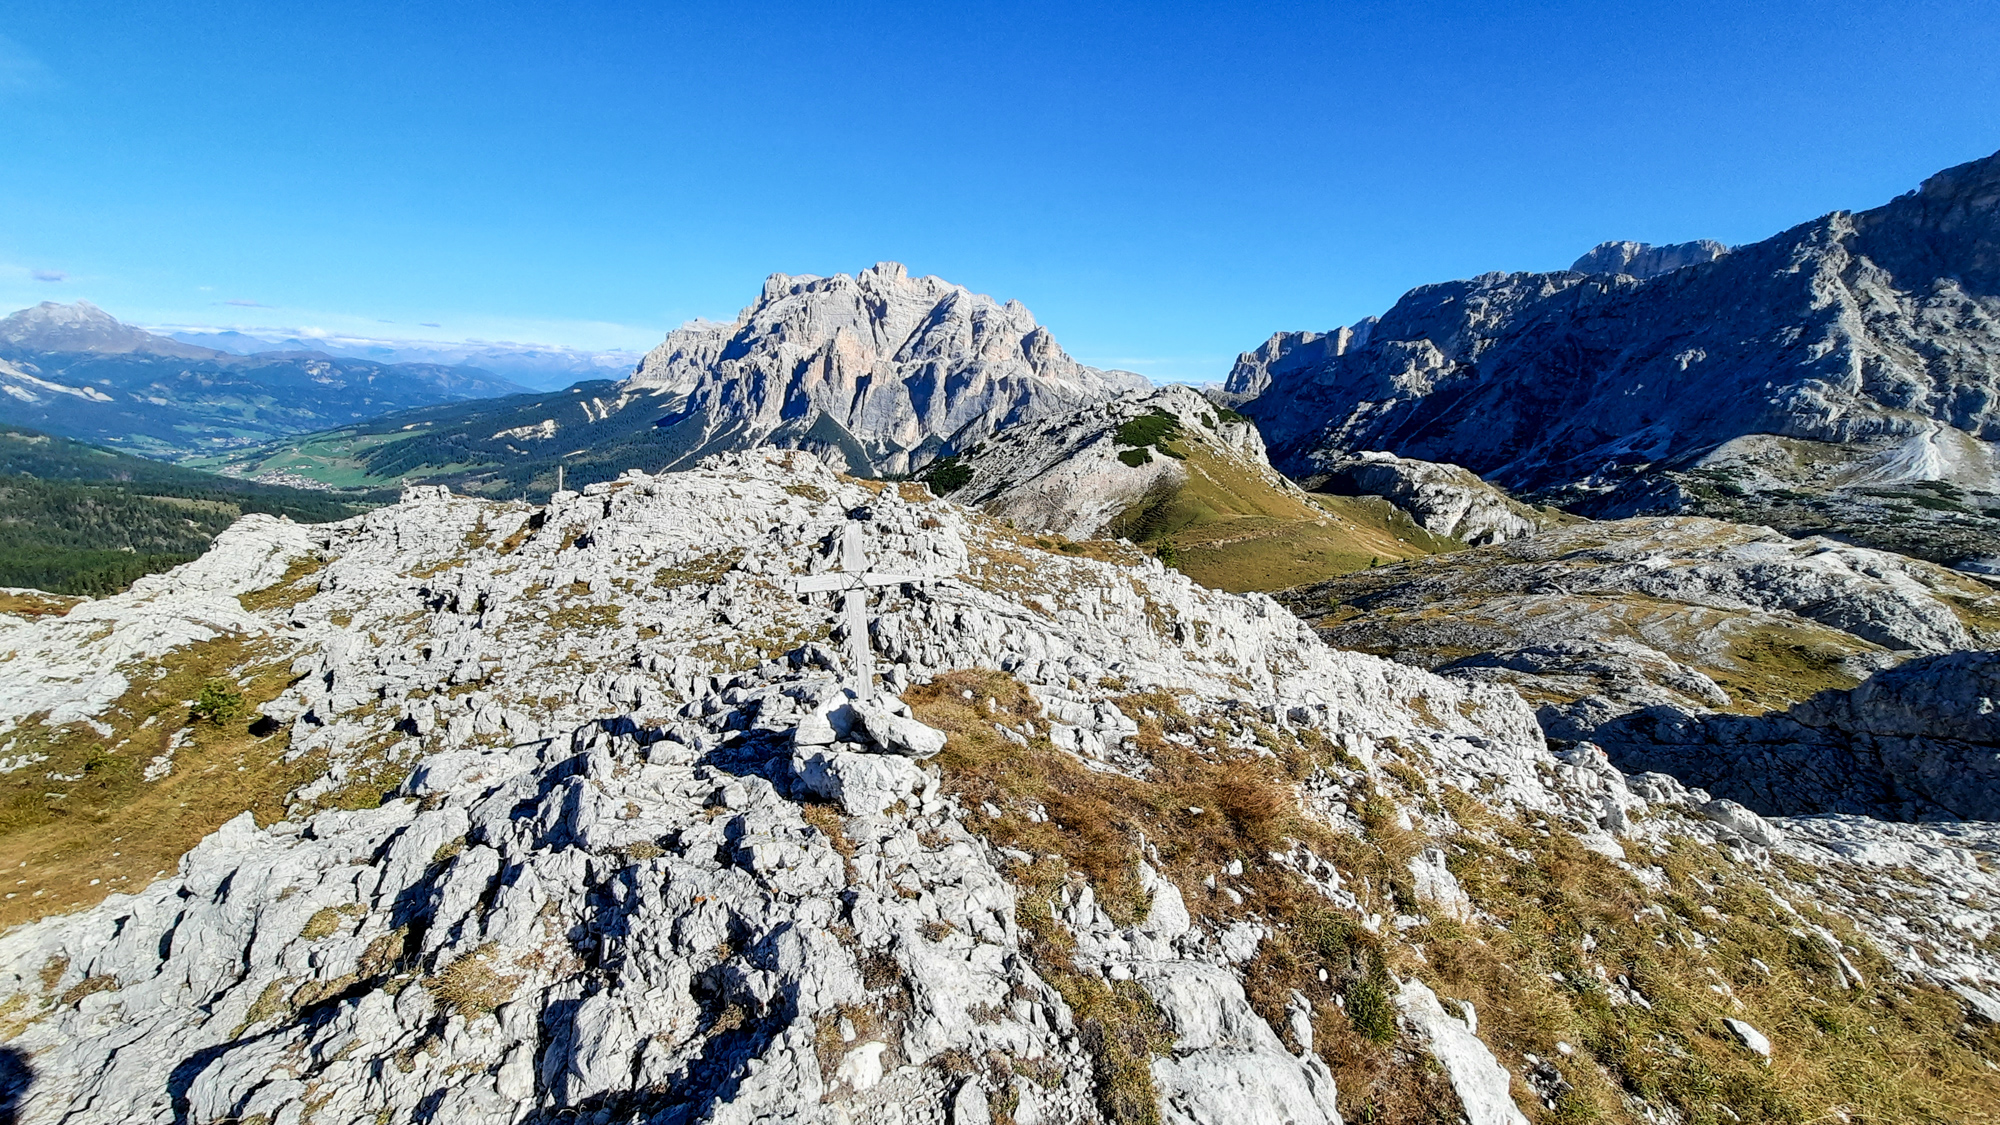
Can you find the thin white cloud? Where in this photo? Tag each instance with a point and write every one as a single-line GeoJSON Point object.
{"type": "Point", "coordinates": [21, 72]}
{"type": "Point", "coordinates": [278, 322]}
{"type": "Point", "coordinates": [49, 275]}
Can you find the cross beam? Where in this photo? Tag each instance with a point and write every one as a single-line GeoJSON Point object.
{"type": "Point", "coordinates": [852, 582]}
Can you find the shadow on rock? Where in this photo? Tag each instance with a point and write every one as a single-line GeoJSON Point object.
{"type": "Point", "coordinates": [16, 1076]}
{"type": "Point", "coordinates": [1920, 741]}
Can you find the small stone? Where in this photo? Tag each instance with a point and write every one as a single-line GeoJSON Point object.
{"type": "Point", "coordinates": [1749, 1036]}
{"type": "Point", "coordinates": [861, 1068]}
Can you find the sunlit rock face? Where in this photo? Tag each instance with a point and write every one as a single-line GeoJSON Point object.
{"type": "Point", "coordinates": [881, 368]}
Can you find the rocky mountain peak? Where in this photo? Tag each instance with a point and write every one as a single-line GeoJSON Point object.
{"type": "Point", "coordinates": [83, 327]}
{"type": "Point", "coordinates": [880, 370]}
{"type": "Point", "coordinates": [1288, 352]}
{"type": "Point", "coordinates": [1861, 348]}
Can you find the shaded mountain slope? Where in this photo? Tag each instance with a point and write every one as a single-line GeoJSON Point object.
{"type": "Point", "coordinates": [1873, 338]}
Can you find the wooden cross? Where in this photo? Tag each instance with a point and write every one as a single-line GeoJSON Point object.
{"type": "Point", "coordinates": [852, 581]}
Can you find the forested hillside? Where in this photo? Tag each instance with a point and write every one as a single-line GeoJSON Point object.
{"type": "Point", "coordinates": [75, 519]}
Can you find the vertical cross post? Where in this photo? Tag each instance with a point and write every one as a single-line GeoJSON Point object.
{"type": "Point", "coordinates": [852, 582]}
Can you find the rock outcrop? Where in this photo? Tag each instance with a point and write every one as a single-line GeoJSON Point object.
{"type": "Point", "coordinates": [1643, 260]}
{"type": "Point", "coordinates": [597, 828]}
{"type": "Point", "coordinates": [1871, 340]}
{"type": "Point", "coordinates": [1597, 620]}
{"type": "Point", "coordinates": [1445, 499]}
{"type": "Point", "coordinates": [1175, 474]}
{"type": "Point", "coordinates": [1919, 741]}
{"type": "Point", "coordinates": [1076, 472]}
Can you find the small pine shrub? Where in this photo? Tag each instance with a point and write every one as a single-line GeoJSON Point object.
{"type": "Point", "coordinates": [947, 475]}
{"type": "Point", "coordinates": [217, 703]}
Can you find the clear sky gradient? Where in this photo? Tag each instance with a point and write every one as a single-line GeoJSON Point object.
{"type": "Point", "coordinates": [1163, 185]}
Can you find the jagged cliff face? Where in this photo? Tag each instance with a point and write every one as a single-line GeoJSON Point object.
{"type": "Point", "coordinates": [1872, 336]}
{"type": "Point", "coordinates": [566, 812]}
{"type": "Point", "coordinates": [883, 368]}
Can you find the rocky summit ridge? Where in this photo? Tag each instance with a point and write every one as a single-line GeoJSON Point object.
{"type": "Point", "coordinates": [1643, 260]}
{"type": "Point", "coordinates": [571, 812]}
{"type": "Point", "coordinates": [1811, 380]}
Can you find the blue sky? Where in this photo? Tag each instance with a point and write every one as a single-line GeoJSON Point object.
{"type": "Point", "coordinates": [1164, 185]}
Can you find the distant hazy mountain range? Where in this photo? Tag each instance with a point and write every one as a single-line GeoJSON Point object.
{"type": "Point", "coordinates": [1841, 376]}
{"type": "Point", "coordinates": [878, 372]}
{"type": "Point", "coordinates": [534, 366]}
{"type": "Point", "coordinates": [76, 371]}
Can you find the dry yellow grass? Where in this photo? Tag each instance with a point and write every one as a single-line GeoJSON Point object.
{"type": "Point", "coordinates": [84, 823]}
{"type": "Point", "coordinates": [35, 603]}
{"type": "Point", "coordinates": [1886, 1050]}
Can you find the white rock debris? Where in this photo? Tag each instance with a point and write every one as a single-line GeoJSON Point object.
{"type": "Point", "coordinates": [1750, 1037]}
